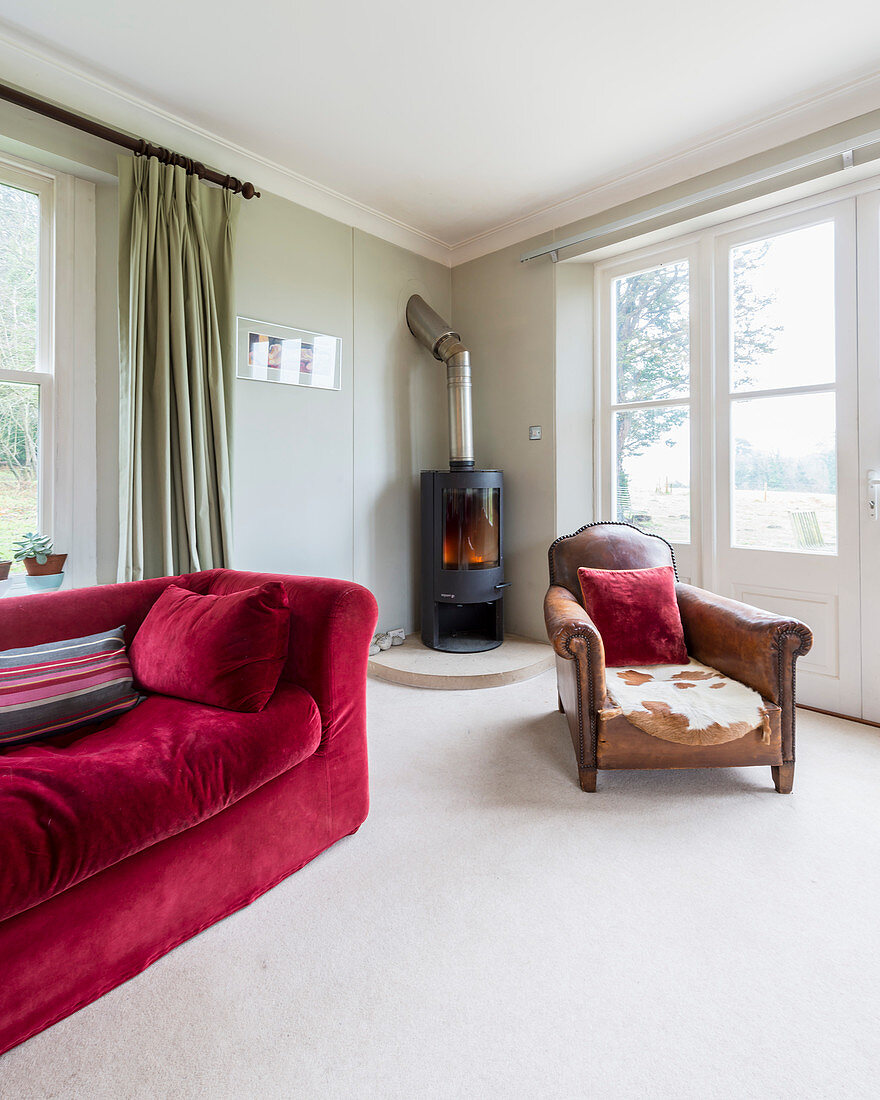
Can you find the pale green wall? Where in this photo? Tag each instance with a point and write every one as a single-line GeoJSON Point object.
{"type": "Point", "coordinates": [323, 482]}
{"type": "Point", "coordinates": [505, 314]}
{"type": "Point", "coordinates": [574, 396]}
{"type": "Point", "coordinates": [399, 419]}
{"type": "Point", "coordinates": [292, 447]}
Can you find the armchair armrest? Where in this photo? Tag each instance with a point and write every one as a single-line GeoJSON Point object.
{"type": "Point", "coordinates": [574, 637]}
{"type": "Point", "coordinates": [753, 646]}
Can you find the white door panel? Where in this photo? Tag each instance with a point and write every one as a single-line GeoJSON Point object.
{"type": "Point", "coordinates": [819, 609]}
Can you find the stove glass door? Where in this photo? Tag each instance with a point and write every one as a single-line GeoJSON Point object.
{"type": "Point", "coordinates": [471, 528]}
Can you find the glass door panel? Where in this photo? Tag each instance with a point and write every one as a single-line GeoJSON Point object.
{"type": "Point", "coordinates": [782, 301]}
{"type": "Point", "coordinates": [652, 334]}
{"type": "Point", "coordinates": [784, 458]}
{"type": "Point", "coordinates": [652, 470]}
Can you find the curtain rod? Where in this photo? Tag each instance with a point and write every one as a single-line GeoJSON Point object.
{"type": "Point", "coordinates": [138, 146]}
{"type": "Point", "coordinates": [843, 149]}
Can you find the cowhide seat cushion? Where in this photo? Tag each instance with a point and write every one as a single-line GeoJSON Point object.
{"type": "Point", "coordinates": [690, 704]}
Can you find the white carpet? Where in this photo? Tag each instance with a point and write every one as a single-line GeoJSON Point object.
{"type": "Point", "coordinates": [493, 932]}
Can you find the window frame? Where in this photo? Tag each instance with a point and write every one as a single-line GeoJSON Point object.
{"type": "Point", "coordinates": [67, 362]}
{"type": "Point", "coordinates": [43, 374]}
{"type": "Point", "coordinates": [686, 249]}
{"type": "Point", "coordinates": [711, 396]}
{"type": "Point", "coordinates": [840, 215]}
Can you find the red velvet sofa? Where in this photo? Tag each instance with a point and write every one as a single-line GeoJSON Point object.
{"type": "Point", "coordinates": [122, 840]}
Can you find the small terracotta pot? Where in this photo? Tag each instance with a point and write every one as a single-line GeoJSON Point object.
{"type": "Point", "coordinates": [4, 570]}
{"type": "Point", "coordinates": [54, 564]}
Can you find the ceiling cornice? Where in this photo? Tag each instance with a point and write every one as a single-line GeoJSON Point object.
{"type": "Point", "coordinates": [798, 118]}
{"type": "Point", "coordinates": [45, 71]}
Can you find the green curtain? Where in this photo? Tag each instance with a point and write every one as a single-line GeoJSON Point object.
{"type": "Point", "coordinates": [176, 343]}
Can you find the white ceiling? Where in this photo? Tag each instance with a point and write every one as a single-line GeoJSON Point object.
{"type": "Point", "coordinates": [460, 117]}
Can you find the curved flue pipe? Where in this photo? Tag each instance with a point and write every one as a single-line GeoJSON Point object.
{"type": "Point", "coordinates": [444, 343]}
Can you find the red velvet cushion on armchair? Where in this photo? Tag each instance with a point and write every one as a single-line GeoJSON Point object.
{"type": "Point", "coordinates": [224, 651]}
{"type": "Point", "coordinates": [636, 614]}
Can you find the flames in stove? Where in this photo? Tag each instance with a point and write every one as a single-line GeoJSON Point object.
{"type": "Point", "coordinates": [471, 536]}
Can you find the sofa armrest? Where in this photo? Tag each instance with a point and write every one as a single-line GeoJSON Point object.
{"type": "Point", "coordinates": [574, 637]}
{"type": "Point", "coordinates": [37, 618]}
{"type": "Point", "coordinates": [753, 646]}
{"type": "Point", "coordinates": [331, 625]}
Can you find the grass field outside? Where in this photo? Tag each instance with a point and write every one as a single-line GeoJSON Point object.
{"type": "Point", "coordinates": [18, 513]}
{"type": "Point", "coordinates": [762, 518]}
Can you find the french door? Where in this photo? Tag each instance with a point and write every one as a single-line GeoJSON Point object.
{"type": "Point", "coordinates": [731, 422]}
{"type": "Point", "coordinates": [786, 426]}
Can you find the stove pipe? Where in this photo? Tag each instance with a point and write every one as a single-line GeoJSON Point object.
{"type": "Point", "coordinates": [445, 344]}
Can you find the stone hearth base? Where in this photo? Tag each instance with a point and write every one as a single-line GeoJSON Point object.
{"type": "Point", "coordinates": [415, 665]}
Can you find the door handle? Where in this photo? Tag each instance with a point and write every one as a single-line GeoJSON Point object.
{"type": "Point", "coordinates": [873, 493]}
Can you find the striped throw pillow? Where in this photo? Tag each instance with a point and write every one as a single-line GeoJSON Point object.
{"type": "Point", "coordinates": [54, 687]}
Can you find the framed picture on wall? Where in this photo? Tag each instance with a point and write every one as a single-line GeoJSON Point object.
{"type": "Point", "coordinates": [276, 353]}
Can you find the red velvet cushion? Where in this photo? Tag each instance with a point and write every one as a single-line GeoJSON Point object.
{"type": "Point", "coordinates": [224, 651]}
{"type": "Point", "coordinates": [636, 614]}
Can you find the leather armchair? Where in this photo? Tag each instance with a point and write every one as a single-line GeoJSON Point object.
{"type": "Point", "coordinates": [755, 647]}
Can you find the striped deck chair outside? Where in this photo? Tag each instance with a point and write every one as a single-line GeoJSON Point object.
{"type": "Point", "coordinates": [624, 504]}
{"type": "Point", "coordinates": [806, 530]}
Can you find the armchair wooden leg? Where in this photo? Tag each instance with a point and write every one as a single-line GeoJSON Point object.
{"type": "Point", "coordinates": [783, 777]}
{"type": "Point", "coordinates": [559, 703]}
{"type": "Point", "coordinates": [587, 779]}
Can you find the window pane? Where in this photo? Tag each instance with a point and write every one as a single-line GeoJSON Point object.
{"type": "Point", "coordinates": [785, 474]}
{"type": "Point", "coordinates": [19, 277]}
{"type": "Point", "coordinates": [652, 334]}
{"type": "Point", "coordinates": [782, 305]}
{"type": "Point", "coordinates": [652, 471]}
{"type": "Point", "coordinates": [19, 490]}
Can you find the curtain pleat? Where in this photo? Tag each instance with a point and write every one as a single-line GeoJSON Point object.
{"type": "Point", "coordinates": [176, 315]}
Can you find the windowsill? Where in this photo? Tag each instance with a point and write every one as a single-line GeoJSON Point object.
{"type": "Point", "coordinates": [23, 585]}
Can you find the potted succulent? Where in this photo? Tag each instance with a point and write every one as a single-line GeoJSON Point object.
{"type": "Point", "coordinates": [36, 553]}
{"type": "Point", "coordinates": [4, 570]}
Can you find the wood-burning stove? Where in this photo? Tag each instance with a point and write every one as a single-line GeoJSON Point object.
{"type": "Point", "coordinates": [462, 560]}
{"type": "Point", "coordinates": [462, 547]}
